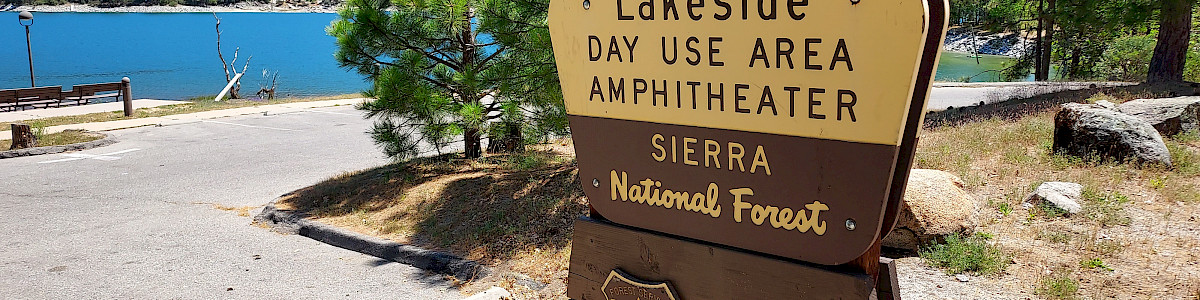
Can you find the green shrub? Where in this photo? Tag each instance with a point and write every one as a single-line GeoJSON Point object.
{"type": "Point", "coordinates": [1158, 183]}
{"type": "Point", "coordinates": [1108, 209]}
{"type": "Point", "coordinates": [1004, 209]}
{"type": "Point", "coordinates": [1094, 263]}
{"type": "Point", "coordinates": [1185, 161]}
{"type": "Point", "coordinates": [1049, 211]}
{"type": "Point", "coordinates": [966, 254]}
{"type": "Point", "coordinates": [1127, 58]}
{"type": "Point", "coordinates": [1059, 286]}
{"type": "Point", "coordinates": [1191, 69]}
{"type": "Point", "coordinates": [1190, 136]}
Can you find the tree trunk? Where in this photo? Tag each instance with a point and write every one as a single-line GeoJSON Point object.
{"type": "Point", "coordinates": [472, 144]}
{"type": "Point", "coordinates": [471, 136]}
{"type": "Point", "coordinates": [1047, 44]}
{"type": "Point", "coordinates": [509, 141]}
{"type": "Point", "coordinates": [1037, 44]}
{"type": "Point", "coordinates": [233, 92]}
{"type": "Point", "coordinates": [1170, 54]}
{"type": "Point", "coordinates": [22, 137]}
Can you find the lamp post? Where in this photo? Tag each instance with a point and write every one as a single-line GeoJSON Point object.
{"type": "Point", "coordinates": [26, 19]}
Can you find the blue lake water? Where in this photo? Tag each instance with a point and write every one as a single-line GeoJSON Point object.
{"type": "Point", "coordinates": [174, 56]}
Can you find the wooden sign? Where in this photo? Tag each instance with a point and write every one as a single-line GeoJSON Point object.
{"type": "Point", "coordinates": [621, 286]}
{"type": "Point", "coordinates": [783, 127]}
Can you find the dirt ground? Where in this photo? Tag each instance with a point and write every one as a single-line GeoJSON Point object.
{"type": "Point", "coordinates": [1138, 238]}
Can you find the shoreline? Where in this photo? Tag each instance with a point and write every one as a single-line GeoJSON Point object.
{"type": "Point", "coordinates": [958, 39]}
{"type": "Point", "coordinates": [235, 8]}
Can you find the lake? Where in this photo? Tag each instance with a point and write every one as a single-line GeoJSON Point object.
{"type": "Point", "coordinates": [954, 66]}
{"type": "Point", "coordinates": [174, 55]}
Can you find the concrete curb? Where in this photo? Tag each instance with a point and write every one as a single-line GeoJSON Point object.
{"type": "Point", "coordinates": [291, 222]}
{"type": "Point", "coordinates": [107, 140]}
{"type": "Point", "coordinates": [270, 109]}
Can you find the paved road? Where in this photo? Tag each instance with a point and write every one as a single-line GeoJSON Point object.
{"type": "Point", "coordinates": [137, 219]}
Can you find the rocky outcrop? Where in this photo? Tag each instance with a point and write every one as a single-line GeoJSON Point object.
{"type": "Point", "coordinates": [935, 205]}
{"type": "Point", "coordinates": [1063, 195]}
{"type": "Point", "coordinates": [961, 39]}
{"type": "Point", "coordinates": [1088, 129]}
{"type": "Point", "coordinates": [1169, 116]}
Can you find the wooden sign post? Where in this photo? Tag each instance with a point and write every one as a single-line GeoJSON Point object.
{"type": "Point", "coordinates": [741, 149]}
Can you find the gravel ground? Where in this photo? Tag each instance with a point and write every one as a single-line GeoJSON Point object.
{"type": "Point", "coordinates": [918, 281]}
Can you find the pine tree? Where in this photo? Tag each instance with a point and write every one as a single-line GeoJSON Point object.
{"type": "Point", "coordinates": [440, 69]}
{"type": "Point", "coordinates": [521, 25]}
{"type": "Point", "coordinates": [1170, 54]}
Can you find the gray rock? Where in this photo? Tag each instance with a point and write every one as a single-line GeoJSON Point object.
{"type": "Point", "coordinates": [1090, 129]}
{"type": "Point", "coordinates": [962, 278]}
{"type": "Point", "coordinates": [1106, 104]}
{"type": "Point", "coordinates": [1063, 195]}
{"type": "Point", "coordinates": [525, 281]}
{"type": "Point", "coordinates": [935, 205]}
{"type": "Point", "coordinates": [494, 293]}
{"type": "Point", "coordinates": [1169, 116]}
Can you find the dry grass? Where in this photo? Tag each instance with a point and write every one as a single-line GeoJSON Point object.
{"type": "Point", "coordinates": [199, 104]}
{"type": "Point", "coordinates": [513, 212]}
{"type": "Point", "coordinates": [56, 139]}
{"type": "Point", "coordinates": [1058, 286]}
{"type": "Point", "coordinates": [243, 211]}
{"type": "Point", "coordinates": [1140, 224]}
{"type": "Point", "coordinates": [1136, 238]}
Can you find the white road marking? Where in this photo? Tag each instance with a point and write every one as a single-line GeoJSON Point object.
{"type": "Point", "coordinates": [244, 125]}
{"type": "Point", "coordinates": [82, 156]}
{"type": "Point", "coordinates": [335, 113]}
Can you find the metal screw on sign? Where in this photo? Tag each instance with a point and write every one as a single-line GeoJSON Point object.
{"type": "Point", "coordinates": [595, 182]}
{"type": "Point", "coordinates": [587, 4]}
{"type": "Point", "coordinates": [855, 1]}
{"type": "Point", "coordinates": [850, 225]}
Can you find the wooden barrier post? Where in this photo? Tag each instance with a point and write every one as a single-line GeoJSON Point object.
{"type": "Point", "coordinates": [127, 96]}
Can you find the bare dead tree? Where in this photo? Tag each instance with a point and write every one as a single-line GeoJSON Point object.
{"type": "Point", "coordinates": [229, 77]}
{"type": "Point", "coordinates": [269, 91]}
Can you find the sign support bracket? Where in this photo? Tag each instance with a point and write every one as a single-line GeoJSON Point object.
{"type": "Point", "coordinates": [707, 271]}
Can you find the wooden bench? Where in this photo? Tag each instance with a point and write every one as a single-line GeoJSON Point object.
{"type": "Point", "coordinates": [32, 97]}
{"type": "Point", "coordinates": [8, 100]}
{"type": "Point", "coordinates": [83, 94]}
{"type": "Point", "coordinates": [48, 96]}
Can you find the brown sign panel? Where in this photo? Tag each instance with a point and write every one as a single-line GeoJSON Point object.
{"type": "Point", "coordinates": [698, 270]}
{"type": "Point", "coordinates": [782, 127]}
{"type": "Point", "coordinates": [621, 286]}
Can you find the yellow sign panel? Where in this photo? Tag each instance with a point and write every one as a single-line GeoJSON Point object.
{"type": "Point", "coordinates": [836, 70]}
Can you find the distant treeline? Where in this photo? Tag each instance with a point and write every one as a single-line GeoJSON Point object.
{"type": "Point", "coordinates": [118, 3]}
